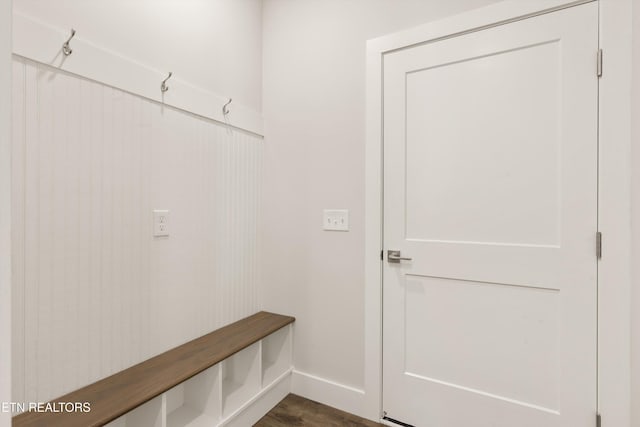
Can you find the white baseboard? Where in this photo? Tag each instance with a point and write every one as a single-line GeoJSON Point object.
{"type": "Point", "coordinates": [327, 392]}
{"type": "Point", "coordinates": [340, 396]}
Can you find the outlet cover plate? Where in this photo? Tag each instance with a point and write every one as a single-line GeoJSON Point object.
{"type": "Point", "coordinates": [160, 223]}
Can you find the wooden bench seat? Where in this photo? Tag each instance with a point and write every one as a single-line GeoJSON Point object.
{"type": "Point", "coordinates": [118, 394]}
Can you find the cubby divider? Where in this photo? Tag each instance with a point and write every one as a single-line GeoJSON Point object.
{"type": "Point", "coordinates": [276, 355]}
{"type": "Point", "coordinates": [195, 402]}
{"type": "Point", "coordinates": [241, 378]}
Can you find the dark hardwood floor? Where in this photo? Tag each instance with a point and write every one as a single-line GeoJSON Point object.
{"type": "Point", "coordinates": [295, 411]}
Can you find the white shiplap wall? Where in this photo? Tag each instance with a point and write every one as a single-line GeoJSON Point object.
{"type": "Point", "coordinates": [94, 291]}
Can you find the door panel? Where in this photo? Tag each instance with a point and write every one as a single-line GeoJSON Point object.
{"type": "Point", "coordinates": [490, 180]}
{"type": "Point", "coordinates": [456, 191]}
{"type": "Point", "coordinates": [442, 314]}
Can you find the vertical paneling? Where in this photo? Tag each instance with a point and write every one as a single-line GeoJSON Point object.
{"type": "Point", "coordinates": [18, 235]}
{"type": "Point", "coordinates": [94, 291]}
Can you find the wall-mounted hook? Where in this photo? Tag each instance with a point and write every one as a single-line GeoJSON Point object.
{"type": "Point", "coordinates": [225, 107]}
{"type": "Point", "coordinates": [163, 86]}
{"type": "Point", "coordinates": [65, 47]}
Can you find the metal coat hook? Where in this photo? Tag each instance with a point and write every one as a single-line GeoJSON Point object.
{"type": "Point", "coordinates": [163, 86]}
{"type": "Point", "coordinates": [225, 107]}
{"type": "Point", "coordinates": [65, 47]}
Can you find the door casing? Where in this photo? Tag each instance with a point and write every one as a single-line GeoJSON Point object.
{"type": "Point", "coordinates": [614, 176]}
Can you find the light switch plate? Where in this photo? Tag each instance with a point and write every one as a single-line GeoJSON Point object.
{"type": "Point", "coordinates": [336, 220]}
{"type": "Point", "coordinates": [160, 223]}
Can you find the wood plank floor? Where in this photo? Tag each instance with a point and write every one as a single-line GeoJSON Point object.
{"type": "Point", "coordinates": [296, 411]}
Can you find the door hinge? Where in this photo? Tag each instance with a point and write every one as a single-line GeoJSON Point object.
{"type": "Point", "coordinates": [598, 420]}
{"type": "Point", "coordinates": [381, 255]}
{"type": "Point", "coordinates": [599, 64]}
{"type": "Point", "coordinates": [598, 245]}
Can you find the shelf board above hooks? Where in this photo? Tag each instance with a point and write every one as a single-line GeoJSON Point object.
{"type": "Point", "coordinates": [37, 41]}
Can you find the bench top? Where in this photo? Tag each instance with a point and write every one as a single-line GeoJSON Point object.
{"type": "Point", "coordinates": [118, 394]}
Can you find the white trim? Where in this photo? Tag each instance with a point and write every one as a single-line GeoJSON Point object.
{"type": "Point", "coordinates": [42, 43]}
{"type": "Point", "coordinates": [474, 20]}
{"type": "Point", "coordinates": [5, 208]}
{"type": "Point", "coordinates": [614, 188]}
{"type": "Point", "coordinates": [340, 396]}
{"type": "Point", "coordinates": [373, 237]}
{"type": "Point", "coordinates": [614, 216]}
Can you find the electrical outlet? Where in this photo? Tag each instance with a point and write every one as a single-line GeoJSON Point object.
{"type": "Point", "coordinates": [336, 220]}
{"type": "Point", "coordinates": [160, 223]}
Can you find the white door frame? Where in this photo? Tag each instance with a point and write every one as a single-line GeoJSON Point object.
{"type": "Point", "coordinates": [614, 193]}
{"type": "Point", "coordinates": [5, 208]}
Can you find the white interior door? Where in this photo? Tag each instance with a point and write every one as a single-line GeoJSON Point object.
{"type": "Point", "coordinates": [490, 180]}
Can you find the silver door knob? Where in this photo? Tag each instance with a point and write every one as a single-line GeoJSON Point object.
{"type": "Point", "coordinates": [394, 257]}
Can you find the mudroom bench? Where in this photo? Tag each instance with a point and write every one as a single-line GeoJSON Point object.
{"type": "Point", "coordinates": [229, 377]}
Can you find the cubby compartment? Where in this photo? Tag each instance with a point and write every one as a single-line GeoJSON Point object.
{"type": "Point", "coordinates": [150, 414]}
{"type": "Point", "coordinates": [240, 378]}
{"type": "Point", "coordinates": [276, 355]}
{"type": "Point", "coordinates": [195, 402]}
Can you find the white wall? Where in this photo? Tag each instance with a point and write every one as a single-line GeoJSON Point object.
{"type": "Point", "coordinates": [635, 300]}
{"type": "Point", "coordinates": [314, 107]}
{"type": "Point", "coordinates": [213, 44]}
{"type": "Point", "coordinates": [5, 211]}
